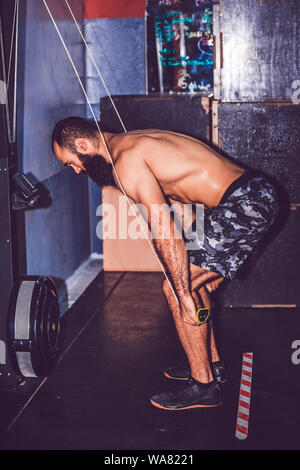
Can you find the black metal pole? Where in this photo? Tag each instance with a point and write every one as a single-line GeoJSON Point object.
{"type": "Point", "coordinates": [8, 166]}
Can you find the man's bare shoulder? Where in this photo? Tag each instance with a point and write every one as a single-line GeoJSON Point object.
{"type": "Point", "coordinates": [134, 151]}
{"type": "Point", "coordinates": [132, 167]}
{"type": "Point", "coordinates": [137, 142]}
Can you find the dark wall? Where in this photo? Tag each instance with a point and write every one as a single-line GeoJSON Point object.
{"type": "Point", "coordinates": [260, 49]}
{"type": "Point", "coordinates": [186, 114]}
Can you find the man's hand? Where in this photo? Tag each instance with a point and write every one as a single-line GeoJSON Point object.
{"type": "Point", "coordinates": [188, 310]}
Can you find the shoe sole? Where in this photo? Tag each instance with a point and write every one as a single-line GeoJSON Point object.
{"type": "Point", "coordinates": [184, 408]}
{"type": "Point", "coordinates": [175, 378]}
{"type": "Point", "coordinates": [186, 378]}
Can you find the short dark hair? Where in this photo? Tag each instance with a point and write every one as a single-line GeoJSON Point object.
{"type": "Point", "coordinates": [69, 129]}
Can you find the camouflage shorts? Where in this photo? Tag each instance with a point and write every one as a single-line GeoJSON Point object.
{"type": "Point", "coordinates": [231, 230]}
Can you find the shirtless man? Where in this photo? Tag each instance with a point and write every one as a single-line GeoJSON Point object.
{"type": "Point", "coordinates": [155, 167]}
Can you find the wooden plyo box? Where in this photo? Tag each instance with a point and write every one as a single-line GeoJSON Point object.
{"type": "Point", "coordinates": [123, 252]}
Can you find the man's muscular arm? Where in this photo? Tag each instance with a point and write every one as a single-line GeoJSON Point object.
{"type": "Point", "coordinates": [141, 185]}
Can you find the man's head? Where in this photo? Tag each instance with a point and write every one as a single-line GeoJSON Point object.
{"type": "Point", "coordinates": [77, 143]}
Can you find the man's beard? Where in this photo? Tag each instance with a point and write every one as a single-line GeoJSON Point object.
{"type": "Point", "coordinates": [97, 169]}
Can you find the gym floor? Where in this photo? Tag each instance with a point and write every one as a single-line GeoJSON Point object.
{"type": "Point", "coordinates": [118, 337]}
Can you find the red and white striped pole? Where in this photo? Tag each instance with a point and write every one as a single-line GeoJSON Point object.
{"type": "Point", "coordinates": [242, 422]}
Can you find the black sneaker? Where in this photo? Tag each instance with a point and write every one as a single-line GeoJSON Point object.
{"type": "Point", "coordinates": [192, 395]}
{"type": "Point", "coordinates": [183, 372]}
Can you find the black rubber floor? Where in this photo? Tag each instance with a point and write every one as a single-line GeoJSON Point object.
{"type": "Point", "coordinates": [119, 337]}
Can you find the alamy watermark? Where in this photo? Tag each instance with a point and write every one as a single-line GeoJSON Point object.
{"type": "Point", "coordinates": [296, 354]}
{"type": "Point", "coordinates": [296, 94]}
{"type": "Point", "coordinates": [158, 221]}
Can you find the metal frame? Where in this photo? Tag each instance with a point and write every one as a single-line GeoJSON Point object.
{"type": "Point", "coordinates": [8, 243]}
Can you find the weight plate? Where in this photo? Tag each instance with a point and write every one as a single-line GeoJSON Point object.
{"type": "Point", "coordinates": [34, 326]}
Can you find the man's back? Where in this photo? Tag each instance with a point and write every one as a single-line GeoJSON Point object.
{"type": "Point", "coordinates": [186, 169]}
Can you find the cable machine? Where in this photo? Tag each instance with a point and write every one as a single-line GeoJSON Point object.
{"type": "Point", "coordinates": [29, 310]}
